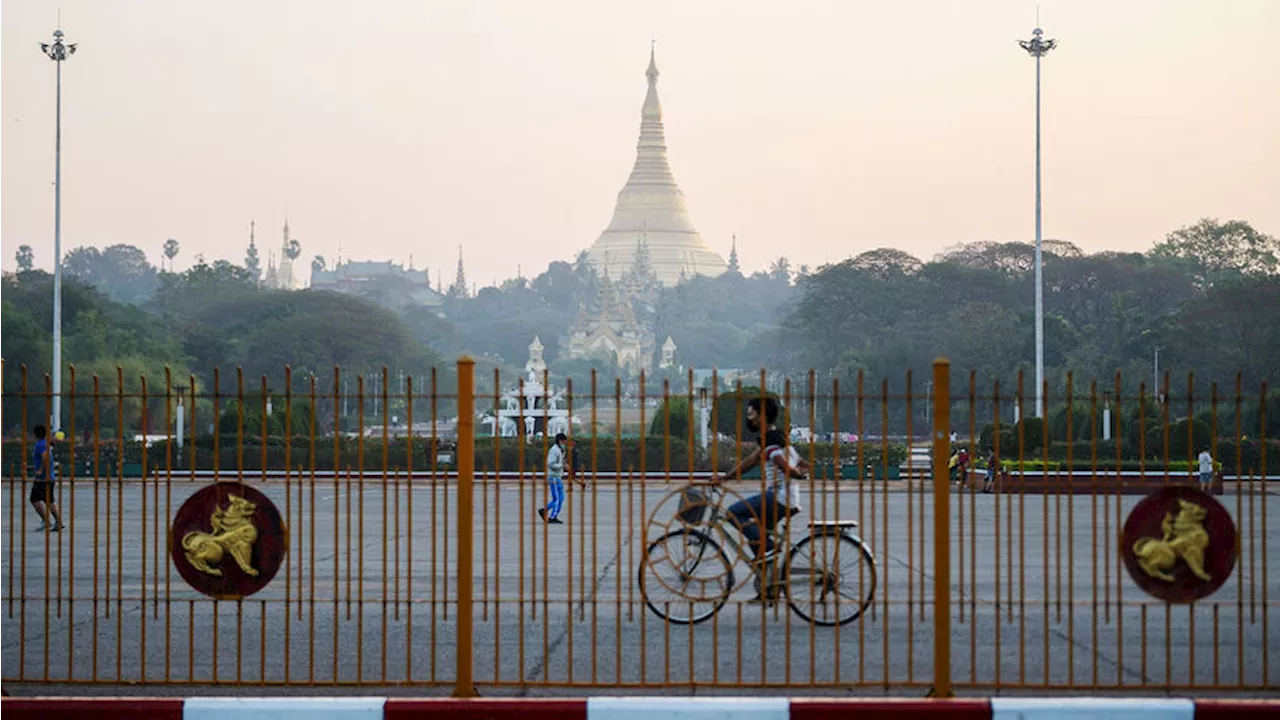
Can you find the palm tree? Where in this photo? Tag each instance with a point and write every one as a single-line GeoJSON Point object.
{"type": "Point", "coordinates": [317, 263]}
{"type": "Point", "coordinates": [171, 251]}
{"type": "Point", "coordinates": [293, 250]}
{"type": "Point", "coordinates": [26, 258]}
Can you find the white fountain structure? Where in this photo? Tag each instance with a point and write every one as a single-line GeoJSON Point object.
{"type": "Point", "coordinates": [531, 402]}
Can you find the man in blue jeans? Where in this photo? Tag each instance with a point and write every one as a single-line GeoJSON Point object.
{"type": "Point", "coordinates": [555, 482]}
{"type": "Point", "coordinates": [780, 495]}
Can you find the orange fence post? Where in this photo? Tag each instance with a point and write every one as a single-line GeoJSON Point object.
{"type": "Point", "coordinates": [941, 528]}
{"type": "Point", "coordinates": [465, 680]}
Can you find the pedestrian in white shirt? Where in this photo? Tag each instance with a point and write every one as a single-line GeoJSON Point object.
{"type": "Point", "coordinates": [555, 482]}
{"type": "Point", "coordinates": [1206, 470]}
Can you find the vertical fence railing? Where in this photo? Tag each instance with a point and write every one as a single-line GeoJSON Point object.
{"type": "Point", "coordinates": [417, 556]}
{"type": "Point", "coordinates": [465, 680]}
{"type": "Point", "coordinates": [940, 436]}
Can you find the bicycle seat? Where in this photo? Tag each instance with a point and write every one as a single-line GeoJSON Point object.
{"type": "Point", "coordinates": [833, 523]}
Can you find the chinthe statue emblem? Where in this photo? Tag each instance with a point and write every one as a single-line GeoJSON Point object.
{"type": "Point", "coordinates": [228, 540]}
{"type": "Point", "coordinates": [233, 534]}
{"type": "Point", "coordinates": [1184, 537]}
{"type": "Point", "coordinates": [1179, 544]}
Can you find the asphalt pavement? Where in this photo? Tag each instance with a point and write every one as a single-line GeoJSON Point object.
{"type": "Point", "coordinates": [367, 595]}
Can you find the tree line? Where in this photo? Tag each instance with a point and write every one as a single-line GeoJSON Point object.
{"type": "Point", "coordinates": [1206, 299]}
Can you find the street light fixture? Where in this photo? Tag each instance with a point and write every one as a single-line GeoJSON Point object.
{"type": "Point", "coordinates": [1038, 47]}
{"type": "Point", "coordinates": [57, 52]}
{"type": "Point", "coordinates": [181, 391]}
{"type": "Point", "coordinates": [1106, 416]}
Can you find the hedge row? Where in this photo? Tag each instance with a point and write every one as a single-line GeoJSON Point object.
{"type": "Point", "coordinates": [1082, 453]}
{"type": "Point", "coordinates": [611, 454]}
{"type": "Point", "coordinates": [1104, 466]}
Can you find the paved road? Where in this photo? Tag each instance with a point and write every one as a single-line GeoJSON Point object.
{"type": "Point", "coordinates": [366, 595]}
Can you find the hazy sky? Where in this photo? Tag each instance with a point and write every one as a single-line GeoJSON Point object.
{"type": "Point", "coordinates": [814, 130]}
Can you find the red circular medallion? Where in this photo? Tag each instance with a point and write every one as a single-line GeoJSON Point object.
{"type": "Point", "coordinates": [1179, 544]}
{"type": "Point", "coordinates": [228, 540]}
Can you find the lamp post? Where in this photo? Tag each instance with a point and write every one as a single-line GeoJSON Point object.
{"type": "Point", "coordinates": [57, 52]}
{"type": "Point", "coordinates": [1156, 393]}
{"type": "Point", "coordinates": [1038, 47]}
{"type": "Point", "coordinates": [1156, 390]}
{"type": "Point", "coordinates": [181, 415]}
{"type": "Point", "coordinates": [1106, 416]}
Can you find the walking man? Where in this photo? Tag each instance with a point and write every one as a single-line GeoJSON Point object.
{"type": "Point", "coordinates": [1206, 471]}
{"type": "Point", "coordinates": [42, 488]}
{"type": "Point", "coordinates": [555, 482]}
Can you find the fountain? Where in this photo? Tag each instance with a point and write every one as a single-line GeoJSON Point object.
{"type": "Point", "coordinates": [534, 405]}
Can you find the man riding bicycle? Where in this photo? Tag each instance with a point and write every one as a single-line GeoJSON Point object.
{"type": "Point", "coordinates": [781, 465]}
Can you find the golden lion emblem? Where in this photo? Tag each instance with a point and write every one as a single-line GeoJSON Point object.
{"type": "Point", "coordinates": [1184, 537]}
{"type": "Point", "coordinates": [233, 534]}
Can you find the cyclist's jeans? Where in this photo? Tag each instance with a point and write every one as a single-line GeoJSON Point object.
{"type": "Point", "coordinates": [747, 513]}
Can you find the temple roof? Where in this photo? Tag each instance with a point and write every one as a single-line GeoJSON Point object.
{"type": "Point", "coordinates": [651, 207]}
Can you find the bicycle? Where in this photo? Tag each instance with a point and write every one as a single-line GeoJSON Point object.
{"type": "Point", "coordinates": [695, 549]}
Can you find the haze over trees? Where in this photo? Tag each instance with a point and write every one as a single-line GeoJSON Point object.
{"type": "Point", "coordinates": [1207, 296]}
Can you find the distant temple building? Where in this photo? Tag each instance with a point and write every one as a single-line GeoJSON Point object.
{"type": "Point", "coordinates": [385, 282]}
{"type": "Point", "coordinates": [668, 354]}
{"type": "Point", "coordinates": [619, 324]}
{"type": "Point", "coordinates": [280, 276]}
{"type": "Point", "coordinates": [651, 207]}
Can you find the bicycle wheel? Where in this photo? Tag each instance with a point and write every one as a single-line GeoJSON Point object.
{"type": "Point", "coordinates": [830, 578]}
{"type": "Point", "coordinates": [691, 577]}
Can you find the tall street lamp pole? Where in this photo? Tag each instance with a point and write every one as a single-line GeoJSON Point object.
{"type": "Point", "coordinates": [1038, 47]}
{"type": "Point", "coordinates": [57, 52]}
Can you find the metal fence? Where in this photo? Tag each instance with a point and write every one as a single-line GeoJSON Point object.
{"type": "Point", "coordinates": [414, 552]}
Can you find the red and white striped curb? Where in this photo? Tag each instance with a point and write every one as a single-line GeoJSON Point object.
{"type": "Point", "coordinates": [633, 708]}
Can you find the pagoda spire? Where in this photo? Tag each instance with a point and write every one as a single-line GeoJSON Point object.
{"type": "Point", "coordinates": [641, 267]}
{"type": "Point", "coordinates": [651, 204]}
{"type": "Point", "coordinates": [252, 263]}
{"type": "Point", "coordinates": [733, 256]}
{"type": "Point", "coordinates": [459, 288]}
{"type": "Point", "coordinates": [284, 272]}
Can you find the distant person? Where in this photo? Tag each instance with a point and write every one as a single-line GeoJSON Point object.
{"type": "Point", "coordinates": [555, 482]}
{"type": "Point", "coordinates": [1206, 470]}
{"type": "Point", "coordinates": [992, 463]}
{"type": "Point", "coordinates": [42, 487]}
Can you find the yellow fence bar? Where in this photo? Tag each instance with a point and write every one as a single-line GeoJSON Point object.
{"type": "Point", "coordinates": [941, 438]}
{"type": "Point", "coordinates": [465, 682]}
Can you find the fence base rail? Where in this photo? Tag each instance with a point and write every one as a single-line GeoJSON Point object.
{"type": "Point", "coordinates": [634, 707]}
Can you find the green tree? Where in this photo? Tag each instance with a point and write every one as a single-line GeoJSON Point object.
{"type": "Point", "coordinates": [170, 251]}
{"type": "Point", "coordinates": [671, 419]}
{"type": "Point", "coordinates": [729, 412]}
{"type": "Point", "coordinates": [1214, 251]}
{"type": "Point", "coordinates": [191, 293]}
{"type": "Point", "coordinates": [247, 416]}
{"type": "Point", "coordinates": [25, 258]}
{"type": "Point", "coordinates": [25, 343]}
{"type": "Point", "coordinates": [119, 407]}
{"type": "Point", "coordinates": [120, 271]}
